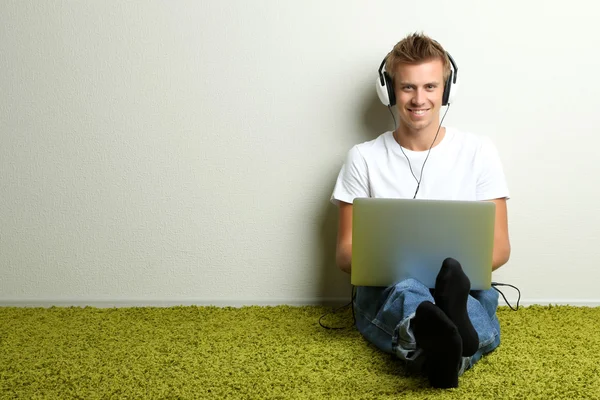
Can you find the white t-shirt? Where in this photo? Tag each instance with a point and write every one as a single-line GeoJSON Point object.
{"type": "Point", "coordinates": [463, 166]}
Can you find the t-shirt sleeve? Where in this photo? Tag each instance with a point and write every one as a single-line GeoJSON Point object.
{"type": "Point", "coordinates": [491, 183]}
{"type": "Point", "coordinates": [352, 181]}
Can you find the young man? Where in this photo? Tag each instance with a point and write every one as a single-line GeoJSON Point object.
{"type": "Point", "coordinates": [440, 332]}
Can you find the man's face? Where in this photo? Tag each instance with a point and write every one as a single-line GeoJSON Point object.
{"type": "Point", "coordinates": [419, 89]}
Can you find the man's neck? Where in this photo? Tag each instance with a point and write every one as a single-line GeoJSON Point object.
{"type": "Point", "coordinates": [419, 140]}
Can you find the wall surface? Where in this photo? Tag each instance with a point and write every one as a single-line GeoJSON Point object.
{"type": "Point", "coordinates": [184, 152]}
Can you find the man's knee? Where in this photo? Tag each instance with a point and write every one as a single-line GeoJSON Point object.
{"type": "Point", "coordinates": [411, 284]}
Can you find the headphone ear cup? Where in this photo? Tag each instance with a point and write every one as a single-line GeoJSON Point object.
{"type": "Point", "coordinates": [382, 91]}
{"type": "Point", "coordinates": [452, 96]}
{"type": "Point", "coordinates": [386, 91]}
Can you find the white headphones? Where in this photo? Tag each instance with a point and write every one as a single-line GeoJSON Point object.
{"type": "Point", "coordinates": [385, 85]}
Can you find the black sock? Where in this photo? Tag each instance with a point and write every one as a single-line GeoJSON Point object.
{"type": "Point", "coordinates": [441, 343]}
{"type": "Point", "coordinates": [452, 288]}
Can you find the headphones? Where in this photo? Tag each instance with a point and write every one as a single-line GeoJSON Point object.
{"type": "Point", "coordinates": [385, 85]}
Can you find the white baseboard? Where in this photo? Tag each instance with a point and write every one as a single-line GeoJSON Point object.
{"type": "Point", "coordinates": [554, 302]}
{"type": "Point", "coordinates": [124, 303]}
{"type": "Point", "coordinates": [328, 302]}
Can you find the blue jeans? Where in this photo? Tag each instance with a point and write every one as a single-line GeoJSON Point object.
{"type": "Point", "coordinates": [383, 317]}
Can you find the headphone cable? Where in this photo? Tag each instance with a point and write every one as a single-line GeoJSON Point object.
{"type": "Point", "coordinates": [428, 151]}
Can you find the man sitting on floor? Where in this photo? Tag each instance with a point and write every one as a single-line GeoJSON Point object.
{"type": "Point", "coordinates": [441, 332]}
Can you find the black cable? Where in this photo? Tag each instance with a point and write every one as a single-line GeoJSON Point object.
{"type": "Point", "coordinates": [428, 151]}
{"type": "Point", "coordinates": [494, 284]}
{"type": "Point", "coordinates": [353, 296]}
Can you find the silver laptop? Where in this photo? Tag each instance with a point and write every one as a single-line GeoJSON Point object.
{"type": "Point", "coordinates": [395, 239]}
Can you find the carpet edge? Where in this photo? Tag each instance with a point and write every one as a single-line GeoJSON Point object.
{"type": "Point", "coordinates": [329, 302]}
{"type": "Point", "coordinates": [123, 303]}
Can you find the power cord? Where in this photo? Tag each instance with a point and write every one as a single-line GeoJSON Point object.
{"type": "Point", "coordinates": [351, 303]}
{"type": "Point", "coordinates": [494, 284]}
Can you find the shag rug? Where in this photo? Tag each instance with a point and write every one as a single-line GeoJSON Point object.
{"type": "Point", "coordinates": [188, 352]}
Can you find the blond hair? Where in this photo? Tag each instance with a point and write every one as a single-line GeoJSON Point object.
{"type": "Point", "coordinates": [414, 49]}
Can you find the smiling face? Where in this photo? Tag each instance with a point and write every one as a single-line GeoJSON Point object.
{"type": "Point", "coordinates": [419, 89]}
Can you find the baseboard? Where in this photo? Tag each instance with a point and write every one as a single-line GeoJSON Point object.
{"type": "Point", "coordinates": [327, 302]}
{"type": "Point", "coordinates": [124, 303]}
{"type": "Point", "coordinates": [554, 302]}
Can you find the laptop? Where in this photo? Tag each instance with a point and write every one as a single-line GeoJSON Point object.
{"type": "Point", "coordinates": [395, 239]}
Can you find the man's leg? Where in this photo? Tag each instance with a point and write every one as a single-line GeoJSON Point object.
{"type": "Point", "coordinates": [473, 312]}
{"type": "Point", "coordinates": [440, 340]}
{"type": "Point", "coordinates": [452, 288]}
{"type": "Point", "coordinates": [482, 306]}
{"type": "Point", "coordinates": [402, 320]}
{"type": "Point", "coordinates": [385, 317]}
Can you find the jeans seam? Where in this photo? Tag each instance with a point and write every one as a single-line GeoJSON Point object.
{"type": "Point", "coordinates": [382, 326]}
{"type": "Point", "coordinates": [373, 320]}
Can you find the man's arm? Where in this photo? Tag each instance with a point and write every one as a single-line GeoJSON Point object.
{"type": "Point", "coordinates": [343, 254]}
{"type": "Point", "coordinates": [501, 239]}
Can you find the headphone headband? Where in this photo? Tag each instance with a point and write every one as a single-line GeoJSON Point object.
{"type": "Point", "coordinates": [455, 74]}
{"type": "Point", "coordinates": [381, 78]}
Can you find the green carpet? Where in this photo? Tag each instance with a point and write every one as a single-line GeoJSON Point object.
{"type": "Point", "coordinates": [547, 352]}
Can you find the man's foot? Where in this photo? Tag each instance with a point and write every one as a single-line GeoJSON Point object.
{"type": "Point", "coordinates": [441, 342]}
{"type": "Point", "coordinates": [452, 288]}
